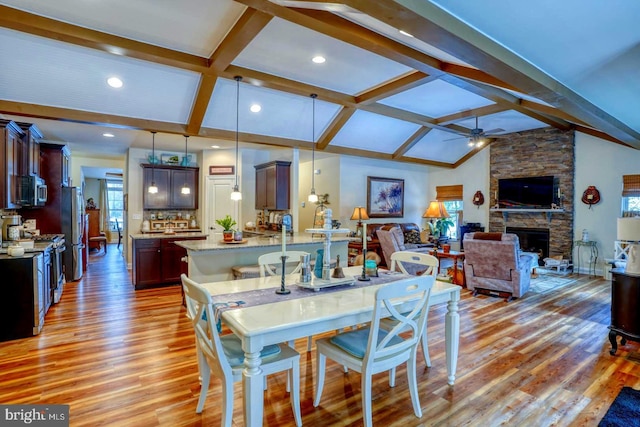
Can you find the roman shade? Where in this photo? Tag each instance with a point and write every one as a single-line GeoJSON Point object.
{"type": "Point", "coordinates": [448, 192]}
{"type": "Point", "coordinates": [631, 185]}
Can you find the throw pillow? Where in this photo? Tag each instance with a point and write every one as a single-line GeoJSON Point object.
{"type": "Point", "coordinates": [412, 236]}
{"type": "Point", "coordinates": [397, 234]}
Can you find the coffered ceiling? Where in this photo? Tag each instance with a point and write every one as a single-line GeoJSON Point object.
{"type": "Point", "coordinates": [413, 96]}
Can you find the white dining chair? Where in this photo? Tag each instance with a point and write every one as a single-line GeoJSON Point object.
{"type": "Point", "coordinates": [223, 356]}
{"type": "Point", "coordinates": [269, 260]}
{"type": "Point", "coordinates": [372, 349]}
{"type": "Point", "coordinates": [430, 263]}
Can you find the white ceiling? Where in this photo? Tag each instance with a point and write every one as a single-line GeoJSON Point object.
{"type": "Point", "coordinates": [515, 66]}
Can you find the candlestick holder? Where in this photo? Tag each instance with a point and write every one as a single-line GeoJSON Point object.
{"type": "Point", "coordinates": [363, 277]}
{"type": "Point", "coordinates": [282, 290]}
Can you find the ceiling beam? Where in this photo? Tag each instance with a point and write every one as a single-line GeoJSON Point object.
{"type": "Point", "coordinates": [412, 117]}
{"type": "Point", "coordinates": [201, 103]}
{"type": "Point", "coordinates": [45, 27]}
{"type": "Point", "coordinates": [473, 112]}
{"type": "Point", "coordinates": [413, 140]}
{"type": "Point", "coordinates": [434, 26]}
{"type": "Point", "coordinates": [401, 84]}
{"type": "Point", "coordinates": [334, 127]}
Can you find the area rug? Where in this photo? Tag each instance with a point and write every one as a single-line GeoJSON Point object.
{"type": "Point", "coordinates": [548, 282]}
{"type": "Point", "coordinates": [624, 411]}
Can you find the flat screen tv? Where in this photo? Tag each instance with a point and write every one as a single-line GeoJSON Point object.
{"type": "Point", "coordinates": [526, 193]}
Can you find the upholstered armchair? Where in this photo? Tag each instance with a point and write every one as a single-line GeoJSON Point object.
{"type": "Point", "coordinates": [392, 240]}
{"type": "Point", "coordinates": [494, 265]}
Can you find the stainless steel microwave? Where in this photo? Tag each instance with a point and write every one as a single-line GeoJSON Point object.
{"type": "Point", "coordinates": [32, 191]}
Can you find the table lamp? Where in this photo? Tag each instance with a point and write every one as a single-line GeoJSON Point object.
{"type": "Point", "coordinates": [629, 230]}
{"type": "Point", "coordinates": [436, 210]}
{"type": "Point", "coordinates": [359, 214]}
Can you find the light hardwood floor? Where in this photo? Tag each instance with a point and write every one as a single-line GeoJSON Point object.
{"type": "Point", "coordinates": [126, 358]}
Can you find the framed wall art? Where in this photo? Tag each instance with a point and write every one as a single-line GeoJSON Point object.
{"type": "Point", "coordinates": [221, 170]}
{"type": "Point", "coordinates": [385, 197]}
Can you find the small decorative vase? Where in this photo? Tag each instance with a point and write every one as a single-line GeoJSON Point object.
{"type": "Point", "coordinates": [317, 269]}
{"type": "Point", "coordinates": [227, 235]}
{"type": "Point", "coordinates": [237, 236]}
{"type": "Point", "coordinates": [446, 248]}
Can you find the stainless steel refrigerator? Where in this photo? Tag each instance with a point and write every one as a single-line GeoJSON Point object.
{"type": "Point", "coordinates": [72, 227]}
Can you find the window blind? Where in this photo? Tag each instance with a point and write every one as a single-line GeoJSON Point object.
{"type": "Point", "coordinates": [630, 186]}
{"type": "Point", "coordinates": [448, 192]}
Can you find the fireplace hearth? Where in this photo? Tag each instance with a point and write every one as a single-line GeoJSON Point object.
{"type": "Point", "coordinates": [533, 240]}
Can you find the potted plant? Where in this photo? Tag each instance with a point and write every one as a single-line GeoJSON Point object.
{"type": "Point", "coordinates": [440, 228]}
{"type": "Point", "coordinates": [227, 224]}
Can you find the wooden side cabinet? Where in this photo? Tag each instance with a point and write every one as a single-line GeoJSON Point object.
{"type": "Point", "coordinates": [272, 185]}
{"type": "Point", "coordinates": [355, 248]}
{"type": "Point", "coordinates": [158, 261]}
{"type": "Point", "coordinates": [625, 308]}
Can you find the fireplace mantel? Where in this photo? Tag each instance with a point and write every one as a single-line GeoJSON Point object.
{"type": "Point", "coordinates": [505, 212]}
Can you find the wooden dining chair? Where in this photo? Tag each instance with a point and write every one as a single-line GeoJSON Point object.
{"type": "Point", "coordinates": [424, 264]}
{"type": "Point", "coordinates": [267, 263]}
{"type": "Point", "coordinates": [222, 355]}
{"type": "Point", "coordinates": [372, 350]}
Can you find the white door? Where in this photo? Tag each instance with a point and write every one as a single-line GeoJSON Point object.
{"type": "Point", "coordinates": [219, 204]}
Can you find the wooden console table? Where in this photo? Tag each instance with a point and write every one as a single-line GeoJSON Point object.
{"type": "Point", "coordinates": [625, 300]}
{"type": "Point", "coordinates": [456, 256]}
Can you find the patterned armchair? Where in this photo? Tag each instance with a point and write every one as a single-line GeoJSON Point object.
{"type": "Point", "coordinates": [495, 265]}
{"type": "Point", "coordinates": [393, 240]}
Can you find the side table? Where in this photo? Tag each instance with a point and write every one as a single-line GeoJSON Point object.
{"type": "Point", "coordinates": [592, 248]}
{"type": "Point", "coordinates": [625, 317]}
{"type": "Point", "coordinates": [458, 279]}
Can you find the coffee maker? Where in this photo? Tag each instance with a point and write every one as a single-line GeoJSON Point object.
{"type": "Point", "coordinates": [8, 221]}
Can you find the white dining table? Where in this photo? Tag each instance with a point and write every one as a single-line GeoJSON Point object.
{"type": "Point", "coordinates": [282, 321]}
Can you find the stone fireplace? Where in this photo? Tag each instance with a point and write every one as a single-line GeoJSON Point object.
{"type": "Point", "coordinates": [533, 240]}
{"type": "Point", "coordinates": [539, 152]}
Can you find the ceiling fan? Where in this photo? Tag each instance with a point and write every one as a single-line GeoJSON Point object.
{"type": "Point", "coordinates": [477, 136]}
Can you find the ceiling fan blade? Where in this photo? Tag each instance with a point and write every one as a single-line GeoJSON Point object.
{"type": "Point", "coordinates": [457, 137]}
{"type": "Point", "coordinates": [496, 130]}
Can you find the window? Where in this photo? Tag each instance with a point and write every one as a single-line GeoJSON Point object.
{"type": "Point", "coordinates": [116, 203]}
{"type": "Point", "coordinates": [630, 195]}
{"type": "Point", "coordinates": [451, 197]}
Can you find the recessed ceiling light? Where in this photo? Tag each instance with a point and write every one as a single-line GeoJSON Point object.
{"type": "Point", "coordinates": [114, 82]}
{"type": "Point", "coordinates": [215, 146]}
{"type": "Point", "coordinates": [108, 135]}
{"type": "Point", "coordinates": [404, 33]}
{"type": "Point", "coordinates": [318, 59]}
{"type": "Point", "coordinates": [255, 108]}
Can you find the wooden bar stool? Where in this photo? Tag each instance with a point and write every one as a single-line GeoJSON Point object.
{"type": "Point", "coordinates": [101, 241]}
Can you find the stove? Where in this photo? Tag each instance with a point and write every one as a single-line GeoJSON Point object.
{"type": "Point", "coordinates": [57, 273]}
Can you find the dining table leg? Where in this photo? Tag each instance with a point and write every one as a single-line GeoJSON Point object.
{"type": "Point", "coordinates": [452, 336]}
{"type": "Point", "coordinates": [253, 389]}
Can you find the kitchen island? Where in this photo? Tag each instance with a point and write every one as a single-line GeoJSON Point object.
{"type": "Point", "coordinates": [211, 260]}
{"type": "Point", "coordinates": [157, 258]}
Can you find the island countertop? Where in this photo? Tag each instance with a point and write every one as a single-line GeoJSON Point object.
{"type": "Point", "coordinates": [256, 242]}
{"type": "Point", "coordinates": [186, 235]}
{"type": "Point", "coordinates": [212, 260]}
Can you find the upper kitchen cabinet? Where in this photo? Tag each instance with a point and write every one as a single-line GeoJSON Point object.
{"type": "Point", "coordinates": [12, 161]}
{"type": "Point", "coordinates": [170, 180]}
{"type": "Point", "coordinates": [272, 185]}
{"type": "Point", "coordinates": [32, 140]}
{"type": "Point", "coordinates": [55, 160]}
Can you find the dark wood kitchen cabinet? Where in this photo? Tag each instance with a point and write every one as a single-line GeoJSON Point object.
{"type": "Point", "coordinates": [158, 261]}
{"type": "Point", "coordinates": [12, 162]}
{"type": "Point", "coordinates": [170, 180]}
{"type": "Point", "coordinates": [272, 185]}
{"type": "Point", "coordinates": [55, 161]}
{"type": "Point", "coordinates": [625, 308]}
{"type": "Point", "coordinates": [32, 139]}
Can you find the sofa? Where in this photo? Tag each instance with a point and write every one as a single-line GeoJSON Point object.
{"type": "Point", "coordinates": [394, 239]}
{"type": "Point", "coordinates": [495, 265]}
{"type": "Point", "coordinates": [410, 231]}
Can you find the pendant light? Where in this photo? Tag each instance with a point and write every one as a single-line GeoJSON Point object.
{"type": "Point", "coordinates": [153, 188]}
{"type": "Point", "coordinates": [185, 188]}
{"type": "Point", "coordinates": [236, 194]}
{"type": "Point", "coordinates": [313, 197]}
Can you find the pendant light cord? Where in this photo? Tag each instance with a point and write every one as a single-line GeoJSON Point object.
{"type": "Point", "coordinates": [153, 157]}
{"type": "Point", "coordinates": [238, 78]}
{"type": "Point", "coordinates": [313, 141]}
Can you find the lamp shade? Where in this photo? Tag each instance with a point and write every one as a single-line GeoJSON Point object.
{"type": "Point", "coordinates": [629, 229]}
{"type": "Point", "coordinates": [359, 214]}
{"type": "Point", "coordinates": [436, 209]}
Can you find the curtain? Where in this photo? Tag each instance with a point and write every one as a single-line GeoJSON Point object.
{"type": "Point", "coordinates": [104, 211]}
